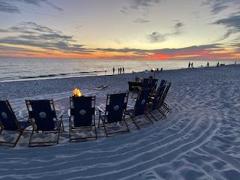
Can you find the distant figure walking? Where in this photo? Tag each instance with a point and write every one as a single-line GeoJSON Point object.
{"type": "Point", "coordinates": [218, 64]}
{"type": "Point", "coordinates": [207, 64]}
{"type": "Point", "coordinates": [192, 65]}
{"type": "Point", "coordinates": [113, 69]}
{"type": "Point", "coordinates": [189, 64]}
{"type": "Point", "coordinates": [123, 70]}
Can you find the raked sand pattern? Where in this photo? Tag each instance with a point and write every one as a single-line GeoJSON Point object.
{"type": "Point", "coordinates": [199, 139]}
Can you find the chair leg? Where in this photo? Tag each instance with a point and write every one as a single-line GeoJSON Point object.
{"type": "Point", "coordinates": [105, 129]}
{"type": "Point", "coordinates": [126, 124]}
{"type": "Point", "coordinates": [161, 112]}
{"type": "Point", "coordinates": [58, 135]}
{"type": "Point", "coordinates": [30, 138]}
{"type": "Point", "coordinates": [151, 114]}
{"type": "Point", "coordinates": [134, 122]}
{"type": "Point", "coordinates": [18, 138]}
{"type": "Point", "coordinates": [95, 128]}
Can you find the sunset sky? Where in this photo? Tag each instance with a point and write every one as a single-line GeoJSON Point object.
{"type": "Point", "coordinates": [120, 29]}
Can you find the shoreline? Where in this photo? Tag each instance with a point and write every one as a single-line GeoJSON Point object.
{"type": "Point", "coordinates": [91, 74]}
{"type": "Point", "coordinates": [24, 88]}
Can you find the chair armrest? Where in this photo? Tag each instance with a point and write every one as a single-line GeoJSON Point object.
{"type": "Point", "coordinates": [100, 110]}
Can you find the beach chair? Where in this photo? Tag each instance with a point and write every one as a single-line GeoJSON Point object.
{"type": "Point", "coordinates": [114, 113]}
{"type": "Point", "coordinates": [42, 115]}
{"type": "Point", "coordinates": [140, 107]}
{"type": "Point", "coordinates": [154, 101]}
{"type": "Point", "coordinates": [9, 123]}
{"type": "Point", "coordinates": [163, 106]}
{"type": "Point", "coordinates": [82, 117]}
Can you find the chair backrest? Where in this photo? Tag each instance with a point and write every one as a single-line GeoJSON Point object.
{"type": "Point", "coordinates": [7, 117]}
{"type": "Point", "coordinates": [82, 110]}
{"type": "Point", "coordinates": [116, 105]}
{"type": "Point", "coordinates": [42, 113]}
{"type": "Point", "coordinates": [141, 102]}
{"type": "Point", "coordinates": [158, 96]}
{"type": "Point", "coordinates": [164, 95]}
{"type": "Point", "coordinates": [149, 83]}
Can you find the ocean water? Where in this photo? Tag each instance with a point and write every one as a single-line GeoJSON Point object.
{"type": "Point", "coordinates": [28, 69]}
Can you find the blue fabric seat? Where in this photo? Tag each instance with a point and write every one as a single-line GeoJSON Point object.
{"type": "Point", "coordinates": [116, 105]}
{"type": "Point", "coordinates": [82, 114]}
{"type": "Point", "coordinates": [140, 107]}
{"type": "Point", "coordinates": [9, 122]}
{"type": "Point", "coordinates": [42, 115]}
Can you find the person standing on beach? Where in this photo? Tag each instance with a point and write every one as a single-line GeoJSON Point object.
{"type": "Point", "coordinates": [123, 70]}
{"type": "Point", "coordinates": [207, 64]}
{"type": "Point", "coordinates": [120, 70]}
{"type": "Point", "coordinates": [113, 70]}
{"type": "Point", "coordinates": [189, 65]}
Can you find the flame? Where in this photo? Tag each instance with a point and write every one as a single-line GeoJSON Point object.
{"type": "Point", "coordinates": [76, 92]}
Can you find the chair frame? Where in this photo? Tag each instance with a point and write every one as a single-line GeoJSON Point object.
{"type": "Point", "coordinates": [103, 117]}
{"type": "Point", "coordinates": [131, 112]}
{"type": "Point", "coordinates": [72, 128]}
{"type": "Point", "coordinates": [163, 107]}
{"type": "Point", "coordinates": [58, 125]}
{"type": "Point", "coordinates": [156, 98]}
{"type": "Point", "coordinates": [19, 130]}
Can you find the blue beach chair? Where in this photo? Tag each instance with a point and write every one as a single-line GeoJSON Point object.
{"type": "Point", "coordinates": [42, 115]}
{"type": "Point", "coordinates": [163, 107]}
{"type": "Point", "coordinates": [140, 107]}
{"type": "Point", "coordinates": [82, 116]}
{"type": "Point", "coordinates": [9, 122]}
{"type": "Point", "coordinates": [154, 101]}
{"type": "Point", "coordinates": [114, 113]}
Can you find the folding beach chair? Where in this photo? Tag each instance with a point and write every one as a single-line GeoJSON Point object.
{"type": "Point", "coordinates": [140, 107]}
{"type": "Point", "coordinates": [163, 106]}
{"type": "Point", "coordinates": [42, 115]}
{"type": "Point", "coordinates": [114, 113]}
{"type": "Point", "coordinates": [154, 101]}
{"type": "Point", "coordinates": [149, 84]}
{"type": "Point", "coordinates": [82, 117]}
{"type": "Point", "coordinates": [9, 123]}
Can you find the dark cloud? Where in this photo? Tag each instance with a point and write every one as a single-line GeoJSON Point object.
{"type": "Point", "coordinates": [218, 6]}
{"type": "Point", "coordinates": [141, 21]}
{"type": "Point", "coordinates": [34, 35]}
{"type": "Point", "coordinates": [10, 7]}
{"type": "Point", "coordinates": [159, 37]}
{"type": "Point", "coordinates": [168, 51]}
{"type": "Point", "coordinates": [189, 49]}
{"type": "Point", "coordinates": [138, 5]}
{"type": "Point", "coordinates": [232, 24]}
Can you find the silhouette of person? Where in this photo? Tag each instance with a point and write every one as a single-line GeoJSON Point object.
{"type": "Point", "coordinates": [189, 65]}
{"type": "Point", "coordinates": [113, 69]}
{"type": "Point", "coordinates": [207, 64]}
{"type": "Point", "coordinates": [123, 70]}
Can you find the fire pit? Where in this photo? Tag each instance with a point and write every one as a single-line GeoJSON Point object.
{"type": "Point", "coordinates": [77, 92]}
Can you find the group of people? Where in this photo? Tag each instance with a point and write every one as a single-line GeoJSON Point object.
{"type": "Point", "coordinates": [120, 70]}
{"type": "Point", "coordinates": [190, 65]}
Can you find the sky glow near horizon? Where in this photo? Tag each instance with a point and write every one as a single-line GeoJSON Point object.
{"type": "Point", "coordinates": [120, 29]}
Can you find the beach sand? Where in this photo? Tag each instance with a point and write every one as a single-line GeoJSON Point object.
{"type": "Point", "coordinates": [199, 139]}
